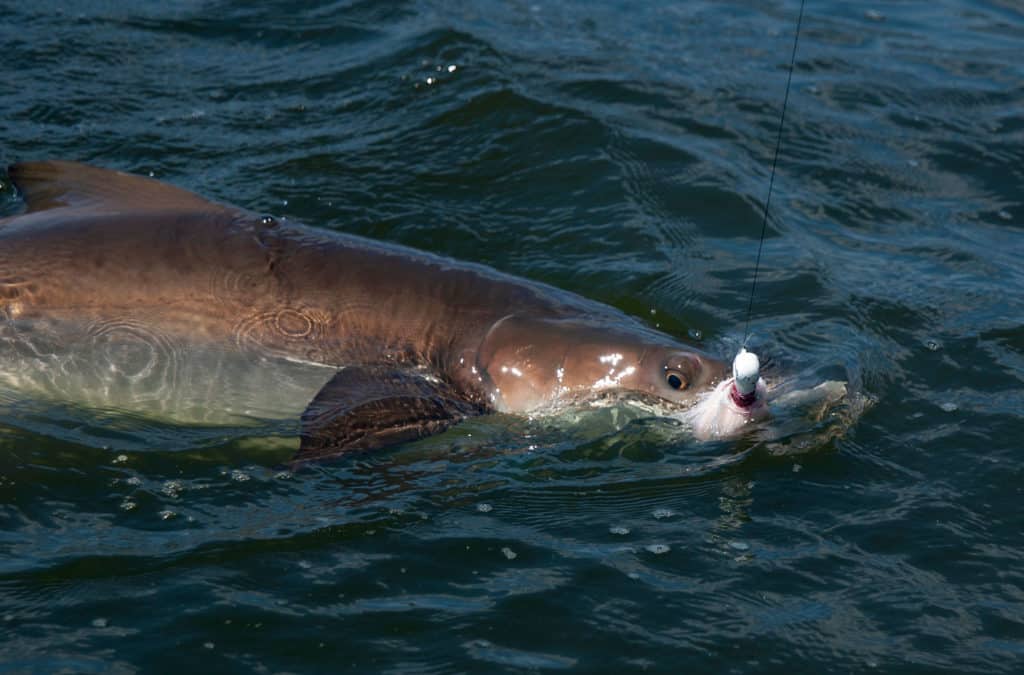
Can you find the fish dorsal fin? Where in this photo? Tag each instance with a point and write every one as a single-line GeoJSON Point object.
{"type": "Point", "coordinates": [59, 184]}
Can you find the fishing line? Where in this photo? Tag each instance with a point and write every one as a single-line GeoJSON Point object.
{"type": "Point", "coordinates": [771, 181]}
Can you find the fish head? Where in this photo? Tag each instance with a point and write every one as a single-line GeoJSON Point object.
{"type": "Point", "coordinates": [532, 364]}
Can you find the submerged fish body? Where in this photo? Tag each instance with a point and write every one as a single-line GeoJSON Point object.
{"type": "Point", "coordinates": [124, 291]}
{"type": "Point", "coordinates": [126, 367]}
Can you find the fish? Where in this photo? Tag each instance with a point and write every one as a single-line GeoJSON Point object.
{"type": "Point", "coordinates": [130, 280]}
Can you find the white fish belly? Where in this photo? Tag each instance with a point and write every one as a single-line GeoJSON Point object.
{"type": "Point", "coordinates": [126, 367]}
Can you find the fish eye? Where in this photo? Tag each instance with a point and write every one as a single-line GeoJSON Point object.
{"type": "Point", "coordinates": [675, 379]}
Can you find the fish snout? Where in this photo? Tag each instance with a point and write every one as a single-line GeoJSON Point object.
{"type": "Point", "coordinates": [725, 412]}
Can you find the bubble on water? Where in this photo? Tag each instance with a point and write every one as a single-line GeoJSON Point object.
{"type": "Point", "coordinates": [739, 546]}
{"type": "Point", "coordinates": [100, 622]}
{"type": "Point", "coordinates": [661, 514]}
{"type": "Point", "coordinates": [484, 507]}
{"type": "Point", "coordinates": [128, 505]}
{"type": "Point", "coordinates": [172, 488]}
{"type": "Point", "coordinates": [509, 553]}
{"type": "Point", "coordinates": [240, 476]}
{"type": "Point", "coordinates": [948, 406]}
{"type": "Point", "coordinates": [797, 468]}
{"type": "Point", "coordinates": [658, 549]}
{"type": "Point", "coordinates": [619, 530]}
{"type": "Point", "coordinates": [932, 345]}
{"type": "Point", "coordinates": [695, 334]}
{"type": "Point", "coordinates": [167, 515]}
{"type": "Point", "coordinates": [452, 68]}
{"type": "Point", "coordinates": [134, 481]}
{"type": "Point", "coordinates": [208, 645]}
{"type": "Point", "coordinates": [120, 459]}
{"type": "Point", "coordinates": [431, 80]}
{"type": "Point", "coordinates": [874, 15]}
{"type": "Point", "coordinates": [283, 475]}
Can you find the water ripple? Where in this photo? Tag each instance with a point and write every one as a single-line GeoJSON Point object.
{"type": "Point", "coordinates": [620, 152]}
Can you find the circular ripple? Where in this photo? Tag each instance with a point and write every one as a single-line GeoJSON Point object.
{"type": "Point", "coordinates": [132, 354]}
{"type": "Point", "coordinates": [289, 331]}
{"type": "Point", "coordinates": [293, 324]}
{"type": "Point", "coordinates": [230, 285]}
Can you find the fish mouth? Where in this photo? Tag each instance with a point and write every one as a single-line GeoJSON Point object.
{"type": "Point", "coordinates": [654, 404]}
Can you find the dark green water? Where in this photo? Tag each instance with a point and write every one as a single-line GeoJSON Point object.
{"type": "Point", "coordinates": [620, 150]}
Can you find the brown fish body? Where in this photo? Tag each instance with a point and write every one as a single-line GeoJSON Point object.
{"type": "Point", "coordinates": [100, 249]}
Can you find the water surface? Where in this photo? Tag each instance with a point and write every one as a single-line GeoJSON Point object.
{"type": "Point", "coordinates": [622, 151]}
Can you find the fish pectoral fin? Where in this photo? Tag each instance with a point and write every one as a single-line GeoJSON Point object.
{"type": "Point", "coordinates": [369, 407]}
